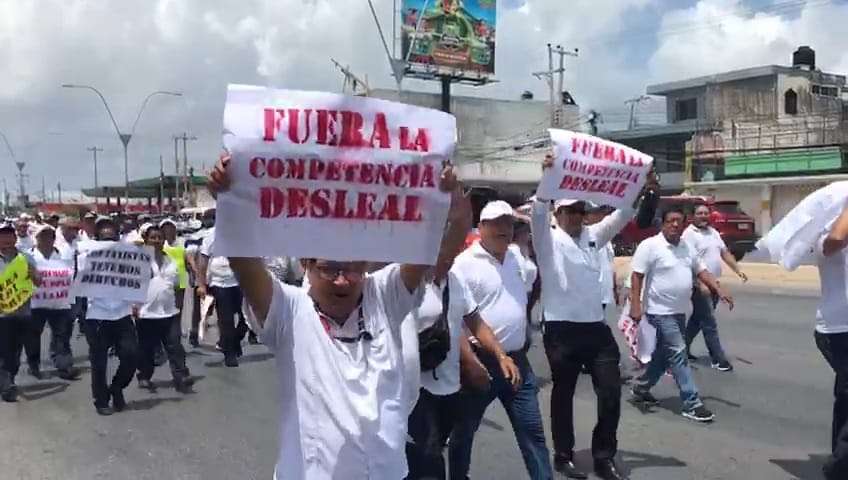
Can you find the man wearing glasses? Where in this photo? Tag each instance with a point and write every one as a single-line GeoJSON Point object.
{"type": "Point", "coordinates": [344, 404]}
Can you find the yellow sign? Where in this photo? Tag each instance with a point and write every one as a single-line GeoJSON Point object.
{"type": "Point", "coordinates": [15, 285]}
{"type": "Point", "coordinates": [177, 254]}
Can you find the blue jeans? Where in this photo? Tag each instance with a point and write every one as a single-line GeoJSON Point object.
{"type": "Point", "coordinates": [522, 407]}
{"type": "Point", "coordinates": [703, 320]}
{"type": "Point", "coordinates": [670, 353]}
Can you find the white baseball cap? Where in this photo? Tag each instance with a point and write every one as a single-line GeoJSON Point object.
{"type": "Point", "coordinates": [167, 221]}
{"type": "Point", "coordinates": [496, 209]}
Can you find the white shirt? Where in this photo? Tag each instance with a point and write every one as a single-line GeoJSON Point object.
{"type": "Point", "coordinates": [606, 256]}
{"type": "Point", "coordinates": [161, 299]}
{"type": "Point", "coordinates": [107, 309]}
{"type": "Point", "coordinates": [132, 237]}
{"type": "Point", "coordinates": [49, 267]}
{"type": "Point", "coordinates": [832, 312]}
{"type": "Point", "coordinates": [342, 409]}
{"type": "Point", "coordinates": [668, 271]}
{"type": "Point", "coordinates": [218, 271]}
{"type": "Point", "coordinates": [444, 379]}
{"type": "Point", "coordinates": [707, 244]}
{"type": "Point", "coordinates": [500, 291]}
{"type": "Point", "coordinates": [25, 244]}
{"type": "Point", "coordinates": [572, 268]}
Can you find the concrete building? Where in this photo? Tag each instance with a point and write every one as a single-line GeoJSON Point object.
{"type": "Point", "coordinates": [765, 136]}
{"type": "Point", "coordinates": [501, 143]}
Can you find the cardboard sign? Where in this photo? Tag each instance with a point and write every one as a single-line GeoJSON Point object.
{"type": "Point", "coordinates": [320, 175]}
{"type": "Point", "coordinates": [113, 270]}
{"type": "Point", "coordinates": [595, 170]}
{"type": "Point", "coordinates": [56, 281]}
{"type": "Point", "coordinates": [15, 285]}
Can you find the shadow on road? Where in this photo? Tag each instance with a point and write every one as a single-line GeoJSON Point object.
{"type": "Point", "coordinates": [630, 461]}
{"type": "Point", "coordinates": [492, 424]}
{"type": "Point", "coordinates": [40, 390]}
{"type": "Point", "coordinates": [803, 469]}
{"type": "Point", "coordinates": [250, 358]}
{"type": "Point", "coordinates": [170, 383]}
{"type": "Point", "coordinates": [149, 403]}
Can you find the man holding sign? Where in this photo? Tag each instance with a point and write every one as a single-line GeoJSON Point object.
{"type": "Point", "coordinates": [344, 181]}
{"type": "Point", "coordinates": [573, 292]}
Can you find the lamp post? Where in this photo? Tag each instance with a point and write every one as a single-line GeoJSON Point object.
{"type": "Point", "coordinates": [5, 191]}
{"type": "Point", "coordinates": [124, 137]}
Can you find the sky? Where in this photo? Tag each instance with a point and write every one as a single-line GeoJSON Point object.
{"type": "Point", "coordinates": [131, 48]}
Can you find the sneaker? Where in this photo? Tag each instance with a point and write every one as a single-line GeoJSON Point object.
{"type": "Point", "coordinates": [10, 395]}
{"type": "Point", "coordinates": [699, 414]}
{"type": "Point", "coordinates": [231, 361]}
{"type": "Point", "coordinates": [71, 373]}
{"type": "Point", "coordinates": [104, 411]}
{"type": "Point", "coordinates": [183, 385]}
{"type": "Point", "coordinates": [724, 366]}
{"type": "Point", "coordinates": [146, 384]}
{"type": "Point", "coordinates": [644, 397]}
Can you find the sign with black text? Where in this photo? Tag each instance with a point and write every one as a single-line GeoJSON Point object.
{"type": "Point", "coordinates": [113, 270]}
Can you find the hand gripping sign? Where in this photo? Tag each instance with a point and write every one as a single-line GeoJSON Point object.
{"type": "Point", "coordinates": [593, 169]}
{"type": "Point", "coordinates": [320, 175]}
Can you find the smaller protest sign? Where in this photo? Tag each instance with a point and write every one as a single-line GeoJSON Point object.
{"type": "Point", "coordinates": [114, 270]}
{"type": "Point", "coordinates": [56, 280]}
{"type": "Point", "coordinates": [15, 285]}
{"type": "Point", "coordinates": [593, 169]}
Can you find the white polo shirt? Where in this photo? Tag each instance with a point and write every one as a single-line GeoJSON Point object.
{"type": "Point", "coordinates": [500, 291]}
{"type": "Point", "coordinates": [161, 297]}
{"type": "Point", "coordinates": [55, 269]}
{"type": "Point", "coordinates": [707, 244]}
{"type": "Point", "coordinates": [832, 312]}
{"type": "Point", "coordinates": [218, 271]}
{"type": "Point", "coordinates": [607, 258]}
{"type": "Point", "coordinates": [342, 409]}
{"type": "Point", "coordinates": [444, 379]}
{"type": "Point", "coordinates": [572, 268]}
{"type": "Point", "coordinates": [668, 271]}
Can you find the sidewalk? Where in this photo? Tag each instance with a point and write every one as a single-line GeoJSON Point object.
{"type": "Point", "coordinates": [761, 276]}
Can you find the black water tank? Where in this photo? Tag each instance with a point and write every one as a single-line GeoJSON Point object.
{"type": "Point", "coordinates": [804, 57]}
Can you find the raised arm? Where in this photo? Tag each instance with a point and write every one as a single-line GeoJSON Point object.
{"type": "Point", "coordinates": [605, 230]}
{"type": "Point", "coordinates": [453, 241]}
{"type": "Point", "coordinates": [837, 239]}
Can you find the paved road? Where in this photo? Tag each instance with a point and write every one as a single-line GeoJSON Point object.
{"type": "Point", "coordinates": [773, 417]}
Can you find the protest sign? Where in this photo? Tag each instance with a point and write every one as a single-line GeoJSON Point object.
{"type": "Point", "coordinates": [593, 169]}
{"type": "Point", "coordinates": [177, 254]}
{"type": "Point", "coordinates": [56, 279]}
{"type": "Point", "coordinates": [15, 285]}
{"type": "Point", "coordinates": [320, 175]}
{"type": "Point", "coordinates": [113, 270]}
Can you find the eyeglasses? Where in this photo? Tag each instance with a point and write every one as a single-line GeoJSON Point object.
{"type": "Point", "coordinates": [332, 271]}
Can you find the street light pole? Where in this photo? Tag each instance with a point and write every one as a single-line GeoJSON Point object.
{"type": "Point", "coordinates": [94, 150]}
{"type": "Point", "coordinates": [125, 137]}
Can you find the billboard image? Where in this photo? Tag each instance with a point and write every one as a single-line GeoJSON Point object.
{"type": "Point", "coordinates": [457, 34]}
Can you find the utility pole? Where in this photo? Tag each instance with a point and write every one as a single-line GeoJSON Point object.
{"type": "Point", "coordinates": [43, 190]}
{"type": "Point", "coordinates": [185, 138]}
{"type": "Point", "coordinates": [94, 150]}
{"type": "Point", "coordinates": [176, 170]}
{"type": "Point", "coordinates": [633, 102]}
{"type": "Point", "coordinates": [5, 197]}
{"type": "Point", "coordinates": [161, 183]}
{"type": "Point", "coordinates": [22, 180]}
{"type": "Point", "coordinates": [59, 189]}
{"type": "Point", "coordinates": [354, 81]}
{"type": "Point", "coordinates": [555, 86]}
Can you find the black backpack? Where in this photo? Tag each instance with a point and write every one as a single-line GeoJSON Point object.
{"type": "Point", "coordinates": [434, 341]}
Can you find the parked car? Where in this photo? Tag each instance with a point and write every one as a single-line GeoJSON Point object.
{"type": "Point", "coordinates": [734, 225]}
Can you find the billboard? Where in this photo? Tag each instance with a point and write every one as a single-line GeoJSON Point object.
{"type": "Point", "coordinates": [456, 34]}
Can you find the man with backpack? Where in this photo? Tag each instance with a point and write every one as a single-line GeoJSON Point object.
{"type": "Point", "coordinates": [445, 308]}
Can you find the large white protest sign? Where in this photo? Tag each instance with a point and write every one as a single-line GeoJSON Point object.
{"type": "Point", "coordinates": [320, 175]}
{"type": "Point", "coordinates": [792, 241]}
{"type": "Point", "coordinates": [113, 270]}
{"type": "Point", "coordinates": [593, 169]}
{"type": "Point", "coordinates": [56, 279]}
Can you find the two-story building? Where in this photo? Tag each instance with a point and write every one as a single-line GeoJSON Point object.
{"type": "Point", "coordinates": [765, 136]}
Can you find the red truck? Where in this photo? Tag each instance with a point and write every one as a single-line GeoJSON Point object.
{"type": "Point", "coordinates": [735, 226]}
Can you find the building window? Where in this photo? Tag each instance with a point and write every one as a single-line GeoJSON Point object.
{"type": "Point", "coordinates": [686, 109]}
{"type": "Point", "coordinates": [816, 90]}
{"type": "Point", "coordinates": [790, 102]}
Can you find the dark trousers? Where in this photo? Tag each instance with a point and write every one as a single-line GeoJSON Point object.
{"type": "Point", "coordinates": [522, 408]}
{"type": "Point", "coordinates": [834, 348]}
{"type": "Point", "coordinates": [32, 340]}
{"type": "Point", "coordinates": [102, 334]}
{"type": "Point", "coordinates": [430, 425]}
{"type": "Point", "coordinates": [569, 346]}
{"type": "Point", "coordinates": [153, 332]}
{"type": "Point", "coordinates": [228, 305]}
{"type": "Point", "coordinates": [12, 333]}
{"type": "Point", "coordinates": [61, 327]}
{"type": "Point", "coordinates": [195, 315]}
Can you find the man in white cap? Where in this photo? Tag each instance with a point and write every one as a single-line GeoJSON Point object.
{"type": "Point", "coordinates": [497, 280]}
{"type": "Point", "coordinates": [571, 256]}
